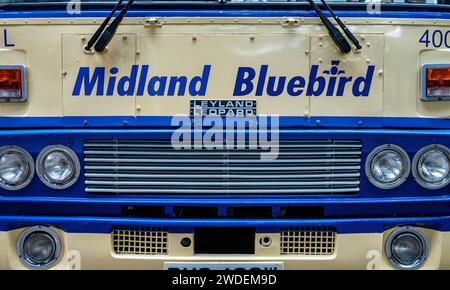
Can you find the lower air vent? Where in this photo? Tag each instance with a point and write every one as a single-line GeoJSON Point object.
{"type": "Point", "coordinates": [140, 240]}
{"type": "Point", "coordinates": [307, 241]}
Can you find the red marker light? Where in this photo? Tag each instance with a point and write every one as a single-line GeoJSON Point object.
{"type": "Point", "coordinates": [11, 85]}
{"type": "Point", "coordinates": [438, 82]}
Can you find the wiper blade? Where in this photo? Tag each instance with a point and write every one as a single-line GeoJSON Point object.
{"type": "Point", "coordinates": [108, 33]}
{"type": "Point", "coordinates": [100, 29]}
{"type": "Point", "coordinates": [334, 33]}
{"type": "Point", "coordinates": [342, 25]}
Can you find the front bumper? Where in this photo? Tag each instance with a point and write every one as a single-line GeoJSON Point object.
{"type": "Point", "coordinates": [89, 250]}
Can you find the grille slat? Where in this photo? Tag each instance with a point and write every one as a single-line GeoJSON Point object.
{"type": "Point", "coordinates": [154, 167]}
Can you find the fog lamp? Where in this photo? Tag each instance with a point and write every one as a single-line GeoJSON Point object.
{"type": "Point", "coordinates": [39, 247]}
{"type": "Point", "coordinates": [407, 248]}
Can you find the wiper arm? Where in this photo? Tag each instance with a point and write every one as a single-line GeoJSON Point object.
{"type": "Point", "coordinates": [334, 33]}
{"type": "Point", "coordinates": [100, 29]}
{"type": "Point", "coordinates": [109, 32]}
{"type": "Point", "coordinates": [343, 26]}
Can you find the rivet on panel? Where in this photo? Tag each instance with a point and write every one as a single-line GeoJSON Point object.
{"type": "Point", "coordinates": [138, 108]}
{"type": "Point", "coordinates": [64, 72]}
{"type": "Point", "coordinates": [319, 123]}
{"type": "Point", "coordinates": [194, 37]}
{"type": "Point", "coordinates": [211, 20]}
{"type": "Point", "coordinates": [124, 37]}
{"type": "Point", "coordinates": [320, 60]}
{"type": "Point", "coordinates": [320, 44]}
{"type": "Point", "coordinates": [252, 37]}
{"type": "Point", "coordinates": [306, 52]}
{"type": "Point", "coordinates": [83, 38]}
{"type": "Point", "coordinates": [380, 72]}
{"type": "Point", "coordinates": [368, 60]}
{"type": "Point", "coordinates": [363, 37]}
{"type": "Point", "coordinates": [236, 20]}
{"type": "Point", "coordinates": [138, 51]}
{"type": "Point", "coordinates": [368, 44]}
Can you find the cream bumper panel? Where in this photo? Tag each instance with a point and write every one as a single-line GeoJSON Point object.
{"type": "Point", "coordinates": [352, 251]}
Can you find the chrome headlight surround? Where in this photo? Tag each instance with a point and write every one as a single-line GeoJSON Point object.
{"type": "Point", "coordinates": [49, 181]}
{"type": "Point", "coordinates": [386, 148]}
{"type": "Point", "coordinates": [418, 158]}
{"type": "Point", "coordinates": [418, 235]}
{"type": "Point", "coordinates": [30, 162]}
{"type": "Point", "coordinates": [42, 230]}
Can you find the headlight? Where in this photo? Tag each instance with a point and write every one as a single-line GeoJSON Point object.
{"type": "Point", "coordinates": [431, 166]}
{"type": "Point", "coordinates": [58, 166]}
{"type": "Point", "coordinates": [39, 247]}
{"type": "Point", "coordinates": [406, 248]}
{"type": "Point", "coordinates": [16, 167]}
{"type": "Point", "coordinates": [387, 166]}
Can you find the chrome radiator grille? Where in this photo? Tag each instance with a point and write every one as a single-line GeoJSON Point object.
{"type": "Point", "coordinates": [155, 167]}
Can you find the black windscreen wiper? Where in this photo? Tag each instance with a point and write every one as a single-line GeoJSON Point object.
{"type": "Point", "coordinates": [334, 33]}
{"type": "Point", "coordinates": [342, 25]}
{"type": "Point", "coordinates": [103, 35]}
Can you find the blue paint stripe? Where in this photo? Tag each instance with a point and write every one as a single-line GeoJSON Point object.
{"type": "Point", "coordinates": [229, 201]}
{"type": "Point", "coordinates": [104, 225]}
{"type": "Point", "coordinates": [165, 121]}
{"type": "Point", "coordinates": [221, 13]}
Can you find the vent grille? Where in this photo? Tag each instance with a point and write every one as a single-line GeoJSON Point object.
{"type": "Point", "coordinates": [307, 241]}
{"type": "Point", "coordinates": [140, 240]}
{"type": "Point", "coordinates": [155, 167]}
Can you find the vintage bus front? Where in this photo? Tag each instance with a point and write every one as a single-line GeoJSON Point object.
{"type": "Point", "coordinates": [224, 135]}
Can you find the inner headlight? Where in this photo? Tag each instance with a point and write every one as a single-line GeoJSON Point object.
{"type": "Point", "coordinates": [387, 166]}
{"type": "Point", "coordinates": [16, 167]}
{"type": "Point", "coordinates": [431, 166]}
{"type": "Point", "coordinates": [58, 166]}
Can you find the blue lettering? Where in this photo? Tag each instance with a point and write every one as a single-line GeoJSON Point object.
{"type": "Point", "coordinates": [244, 78]}
{"type": "Point", "coordinates": [130, 80]}
{"type": "Point", "coordinates": [271, 90]}
{"type": "Point", "coordinates": [203, 81]}
{"type": "Point", "coordinates": [98, 79]}
{"type": "Point", "coordinates": [313, 79]}
{"type": "Point", "coordinates": [157, 86]}
{"type": "Point", "coordinates": [366, 82]}
{"type": "Point", "coordinates": [295, 86]}
{"type": "Point", "coordinates": [181, 81]}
